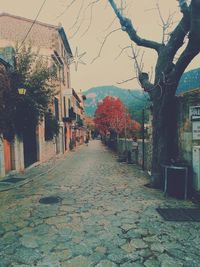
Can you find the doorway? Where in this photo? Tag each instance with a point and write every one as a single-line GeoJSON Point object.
{"type": "Point", "coordinates": [30, 147]}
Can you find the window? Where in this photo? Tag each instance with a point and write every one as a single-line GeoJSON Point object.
{"type": "Point", "coordinates": [68, 81]}
{"type": "Point", "coordinates": [56, 108]}
{"type": "Point", "coordinates": [63, 75]}
{"type": "Point", "coordinates": [69, 106]}
{"type": "Point", "coordinates": [62, 50]}
{"type": "Point", "coordinates": [64, 104]}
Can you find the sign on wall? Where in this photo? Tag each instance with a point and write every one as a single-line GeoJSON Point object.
{"type": "Point", "coordinates": [194, 114]}
{"type": "Point", "coordinates": [196, 130]}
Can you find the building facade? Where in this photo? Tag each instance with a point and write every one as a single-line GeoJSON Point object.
{"type": "Point", "coordinates": [75, 119]}
{"type": "Point", "coordinates": [188, 110]}
{"type": "Point", "coordinates": [50, 43]}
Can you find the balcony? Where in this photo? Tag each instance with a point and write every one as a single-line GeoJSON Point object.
{"type": "Point", "coordinates": [71, 117]}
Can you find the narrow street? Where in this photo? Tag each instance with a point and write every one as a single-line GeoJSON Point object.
{"type": "Point", "coordinates": [104, 217]}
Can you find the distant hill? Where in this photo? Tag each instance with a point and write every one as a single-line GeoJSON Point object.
{"type": "Point", "coordinates": [134, 100]}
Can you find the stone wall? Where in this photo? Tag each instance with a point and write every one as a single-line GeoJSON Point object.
{"type": "Point", "coordinates": [185, 136]}
{"type": "Point", "coordinates": [46, 149]}
{"type": "Point", "coordinates": [185, 139]}
{"type": "Point", "coordinates": [135, 155]}
{"type": "Point", "coordinates": [17, 156]}
{"type": "Point", "coordinates": [147, 154]}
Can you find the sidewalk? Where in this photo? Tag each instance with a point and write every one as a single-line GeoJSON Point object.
{"type": "Point", "coordinates": [36, 170]}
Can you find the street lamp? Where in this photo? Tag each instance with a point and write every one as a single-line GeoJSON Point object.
{"type": "Point", "coordinates": [21, 91]}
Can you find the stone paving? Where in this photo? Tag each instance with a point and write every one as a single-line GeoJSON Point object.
{"type": "Point", "coordinates": [106, 218]}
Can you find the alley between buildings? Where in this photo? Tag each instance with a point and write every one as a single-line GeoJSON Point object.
{"type": "Point", "coordinates": [104, 217]}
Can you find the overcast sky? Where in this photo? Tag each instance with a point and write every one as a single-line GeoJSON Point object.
{"type": "Point", "coordinates": [106, 69]}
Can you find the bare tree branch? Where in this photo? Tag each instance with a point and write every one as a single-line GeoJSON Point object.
{"type": "Point", "coordinates": [128, 80]}
{"type": "Point", "coordinates": [128, 27]}
{"type": "Point", "coordinates": [90, 22]}
{"type": "Point", "coordinates": [165, 24]}
{"type": "Point", "coordinates": [145, 83]}
{"type": "Point", "coordinates": [142, 77]}
{"type": "Point", "coordinates": [141, 60]}
{"type": "Point", "coordinates": [104, 41]}
{"type": "Point", "coordinates": [122, 50]}
{"type": "Point", "coordinates": [134, 57]}
{"type": "Point", "coordinates": [67, 7]}
{"type": "Point", "coordinates": [78, 15]}
{"type": "Point", "coordinates": [77, 30]}
{"type": "Point", "coordinates": [185, 58]}
{"type": "Point", "coordinates": [183, 6]}
{"type": "Point", "coordinates": [178, 34]}
{"type": "Point", "coordinates": [110, 25]}
{"type": "Point", "coordinates": [91, 4]}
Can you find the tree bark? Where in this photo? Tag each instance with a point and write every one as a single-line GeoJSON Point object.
{"type": "Point", "coordinates": [165, 139]}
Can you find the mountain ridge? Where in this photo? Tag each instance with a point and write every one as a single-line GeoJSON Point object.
{"type": "Point", "coordinates": [129, 97]}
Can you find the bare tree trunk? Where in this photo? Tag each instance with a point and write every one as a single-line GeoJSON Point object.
{"type": "Point", "coordinates": [165, 141]}
{"type": "Point", "coordinates": [168, 72]}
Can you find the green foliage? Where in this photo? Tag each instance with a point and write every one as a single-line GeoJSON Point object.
{"type": "Point", "coordinates": [23, 112]}
{"type": "Point", "coordinates": [51, 126]}
{"type": "Point", "coordinates": [135, 110]}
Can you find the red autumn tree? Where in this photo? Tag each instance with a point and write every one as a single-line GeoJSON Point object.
{"type": "Point", "coordinates": [133, 129]}
{"type": "Point", "coordinates": [112, 115]}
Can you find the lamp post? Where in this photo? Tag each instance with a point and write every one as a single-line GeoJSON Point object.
{"type": "Point", "coordinates": [21, 91]}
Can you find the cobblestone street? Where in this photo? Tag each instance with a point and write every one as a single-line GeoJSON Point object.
{"type": "Point", "coordinates": [106, 217]}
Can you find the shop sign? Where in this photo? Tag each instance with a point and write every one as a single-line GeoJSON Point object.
{"type": "Point", "coordinates": [194, 114]}
{"type": "Point", "coordinates": [196, 130]}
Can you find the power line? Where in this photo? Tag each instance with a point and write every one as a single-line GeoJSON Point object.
{"type": "Point", "coordinates": [33, 23]}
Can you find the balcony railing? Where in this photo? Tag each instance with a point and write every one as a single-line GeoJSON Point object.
{"type": "Point", "coordinates": [71, 117]}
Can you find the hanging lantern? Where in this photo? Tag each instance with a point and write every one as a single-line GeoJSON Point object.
{"type": "Point", "coordinates": [21, 91]}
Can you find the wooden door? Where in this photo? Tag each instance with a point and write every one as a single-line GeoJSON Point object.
{"type": "Point", "coordinates": [7, 156]}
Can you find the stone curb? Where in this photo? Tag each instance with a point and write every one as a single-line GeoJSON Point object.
{"type": "Point", "coordinates": [30, 178]}
{"type": "Point", "coordinates": [26, 181]}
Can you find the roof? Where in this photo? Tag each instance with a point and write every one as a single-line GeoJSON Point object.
{"type": "Point", "coordinates": [6, 64]}
{"type": "Point", "coordinates": [65, 40]}
{"type": "Point", "coordinates": [28, 20]}
{"type": "Point", "coordinates": [189, 81]}
{"type": "Point", "coordinates": [76, 95]}
{"type": "Point", "coordinates": [41, 36]}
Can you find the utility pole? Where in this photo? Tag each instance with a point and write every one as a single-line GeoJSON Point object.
{"type": "Point", "coordinates": [125, 132]}
{"type": "Point", "coordinates": [143, 145]}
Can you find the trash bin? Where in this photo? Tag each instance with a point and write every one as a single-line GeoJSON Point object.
{"type": "Point", "coordinates": [175, 180]}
